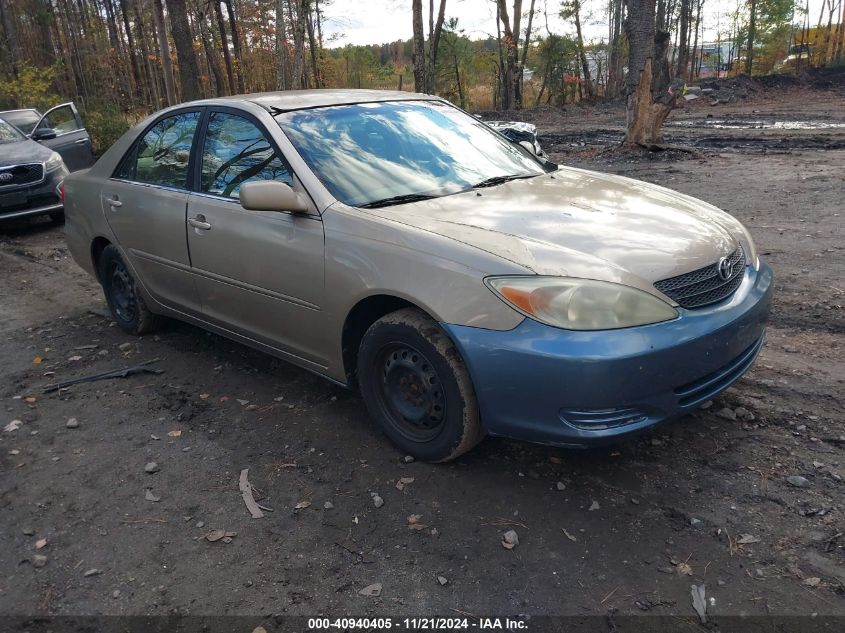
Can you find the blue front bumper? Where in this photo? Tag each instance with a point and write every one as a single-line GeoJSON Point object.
{"type": "Point", "coordinates": [568, 388]}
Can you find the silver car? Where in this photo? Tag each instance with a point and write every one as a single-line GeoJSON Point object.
{"type": "Point", "coordinates": [390, 241]}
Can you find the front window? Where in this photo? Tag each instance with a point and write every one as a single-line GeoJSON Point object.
{"type": "Point", "coordinates": [370, 152]}
{"type": "Point", "coordinates": [9, 134]}
{"type": "Point", "coordinates": [237, 151]}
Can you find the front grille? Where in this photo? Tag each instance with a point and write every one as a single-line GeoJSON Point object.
{"type": "Point", "coordinates": [704, 286]}
{"type": "Point", "coordinates": [18, 175]}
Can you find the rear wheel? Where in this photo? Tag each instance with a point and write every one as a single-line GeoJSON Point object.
{"type": "Point", "coordinates": [125, 302]}
{"type": "Point", "coordinates": [417, 387]}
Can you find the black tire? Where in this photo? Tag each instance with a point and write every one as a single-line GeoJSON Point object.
{"type": "Point", "coordinates": [125, 302]}
{"type": "Point", "coordinates": [416, 386]}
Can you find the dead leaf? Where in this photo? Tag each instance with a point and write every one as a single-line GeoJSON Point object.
{"type": "Point", "coordinates": [507, 545]}
{"type": "Point", "coordinates": [302, 505]}
{"type": "Point", "coordinates": [683, 569]}
{"type": "Point", "coordinates": [568, 535]}
{"type": "Point", "coordinates": [812, 582]}
{"type": "Point", "coordinates": [41, 543]}
{"type": "Point", "coordinates": [14, 425]}
{"type": "Point", "coordinates": [215, 535]}
{"type": "Point", "coordinates": [404, 481]}
{"type": "Point", "coordinates": [30, 399]}
{"type": "Point", "coordinates": [37, 360]}
{"type": "Point", "coordinates": [414, 522]}
{"type": "Point", "coordinates": [745, 539]}
{"type": "Point", "coordinates": [175, 433]}
{"type": "Point", "coordinates": [73, 359]}
{"type": "Point", "coordinates": [203, 396]}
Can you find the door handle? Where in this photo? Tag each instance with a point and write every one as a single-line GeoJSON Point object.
{"type": "Point", "coordinates": [114, 203]}
{"type": "Point", "coordinates": [199, 223]}
{"type": "Point", "coordinates": [81, 141]}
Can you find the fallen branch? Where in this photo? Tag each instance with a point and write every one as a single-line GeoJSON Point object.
{"type": "Point", "coordinates": [246, 493]}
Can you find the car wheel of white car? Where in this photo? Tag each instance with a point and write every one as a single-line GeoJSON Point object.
{"type": "Point", "coordinates": [417, 387]}
{"type": "Point", "coordinates": [125, 302]}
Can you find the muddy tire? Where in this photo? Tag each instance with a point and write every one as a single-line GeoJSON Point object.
{"type": "Point", "coordinates": [417, 388]}
{"type": "Point", "coordinates": [121, 291]}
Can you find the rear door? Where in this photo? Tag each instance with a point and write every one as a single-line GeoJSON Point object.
{"type": "Point", "coordinates": [61, 130]}
{"type": "Point", "coordinates": [259, 273]}
{"type": "Point", "coordinates": [145, 202]}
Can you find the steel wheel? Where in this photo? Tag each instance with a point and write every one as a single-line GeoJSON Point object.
{"type": "Point", "coordinates": [410, 392]}
{"type": "Point", "coordinates": [122, 292]}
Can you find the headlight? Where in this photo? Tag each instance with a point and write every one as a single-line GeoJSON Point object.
{"type": "Point", "coordinates": [580, 304]}
{"type": "Point", "coordinates": [54, 162]}
{"type": "Point", "coordinates": [751, 251]}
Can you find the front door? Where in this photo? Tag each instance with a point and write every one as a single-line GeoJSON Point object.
{"type": "Point", "coordinates": [61, 130]}
{"type": "Point", "coordinates": [145, 204]}
{"type": "Point", "coordinates": [259, 273]}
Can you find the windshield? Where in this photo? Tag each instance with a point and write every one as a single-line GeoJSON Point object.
{"type": "Point", "coordinates": [9, 134]}
{"type": "Point", "coordinates": [405, 150]}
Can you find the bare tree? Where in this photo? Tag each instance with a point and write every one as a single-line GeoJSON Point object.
{"type": "Point", "coordinates": [224, 42]}
{"type": "Point", "coordinates": [182, 38]}
{"type": "Point", "coordinates": [164, 53]}
{"type": "Point", "coordinates": [752, 34]}
{"type": "Point", "coordinates": [512, 76]}
{"type": "Point", "coordinates": [648, 98]}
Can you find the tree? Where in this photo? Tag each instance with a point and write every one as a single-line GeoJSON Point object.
{"type": "Point", "coordinates": [571, 10]}
{"type": "Point", "coordinates": [511, 81]}
{"type": "Point", "coordinates": [647, 86]}
{"type": "Point", "coordinates": [182, 38]}
{"type": "Point", "coordinates": [164, 52]}
{"type": "Point", "coordinates": [418, 55]}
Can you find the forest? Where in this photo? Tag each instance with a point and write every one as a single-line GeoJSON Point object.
{"type": "Point", "coordinates": [119, 60]}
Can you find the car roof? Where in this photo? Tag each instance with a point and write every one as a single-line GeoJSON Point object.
{"type": "Point", "coordinates": [287, 100]}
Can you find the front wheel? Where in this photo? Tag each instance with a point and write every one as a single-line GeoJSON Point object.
{"type": "Point", "coordinates": [417, 387]}
{"type": "Point", "coordinates": [125, 302]}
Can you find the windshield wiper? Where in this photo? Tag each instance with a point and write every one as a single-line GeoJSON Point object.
{"type": "Point", "coordinates": [498, 180]}
{"type": "Point", "coordinates": [387, 202]}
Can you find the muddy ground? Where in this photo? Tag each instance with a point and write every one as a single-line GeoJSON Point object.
{"type": "Point", "coordinates": [702, 500]}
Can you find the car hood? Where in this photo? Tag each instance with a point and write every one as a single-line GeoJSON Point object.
{"type": "Point", "coordinates": [25, 151]}
{"type": "Point", "coordinates": [582, 224]}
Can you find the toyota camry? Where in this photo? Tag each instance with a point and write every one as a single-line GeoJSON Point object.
{"type": "Point", "coordinates": [391, 242]}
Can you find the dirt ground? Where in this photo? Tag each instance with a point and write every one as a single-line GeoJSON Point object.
{"type": "Point", "coordinates": [622, 530]}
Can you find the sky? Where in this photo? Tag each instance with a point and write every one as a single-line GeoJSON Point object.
{"type": "Point", "coordinates": [382, 21]}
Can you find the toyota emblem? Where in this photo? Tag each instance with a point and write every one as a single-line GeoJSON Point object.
{"type": "Point", "coordinates": [725, 268]}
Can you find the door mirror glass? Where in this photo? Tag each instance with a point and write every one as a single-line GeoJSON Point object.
{"type": "Point", "coordinates": [271, 195]}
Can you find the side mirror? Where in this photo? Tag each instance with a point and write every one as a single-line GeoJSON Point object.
{"type": "Point", "coordinates": [529, 146]}
{"type": "Point", "coordinates": [271, 195]}
{"type": "Point", "coordinates": [44, 134]}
